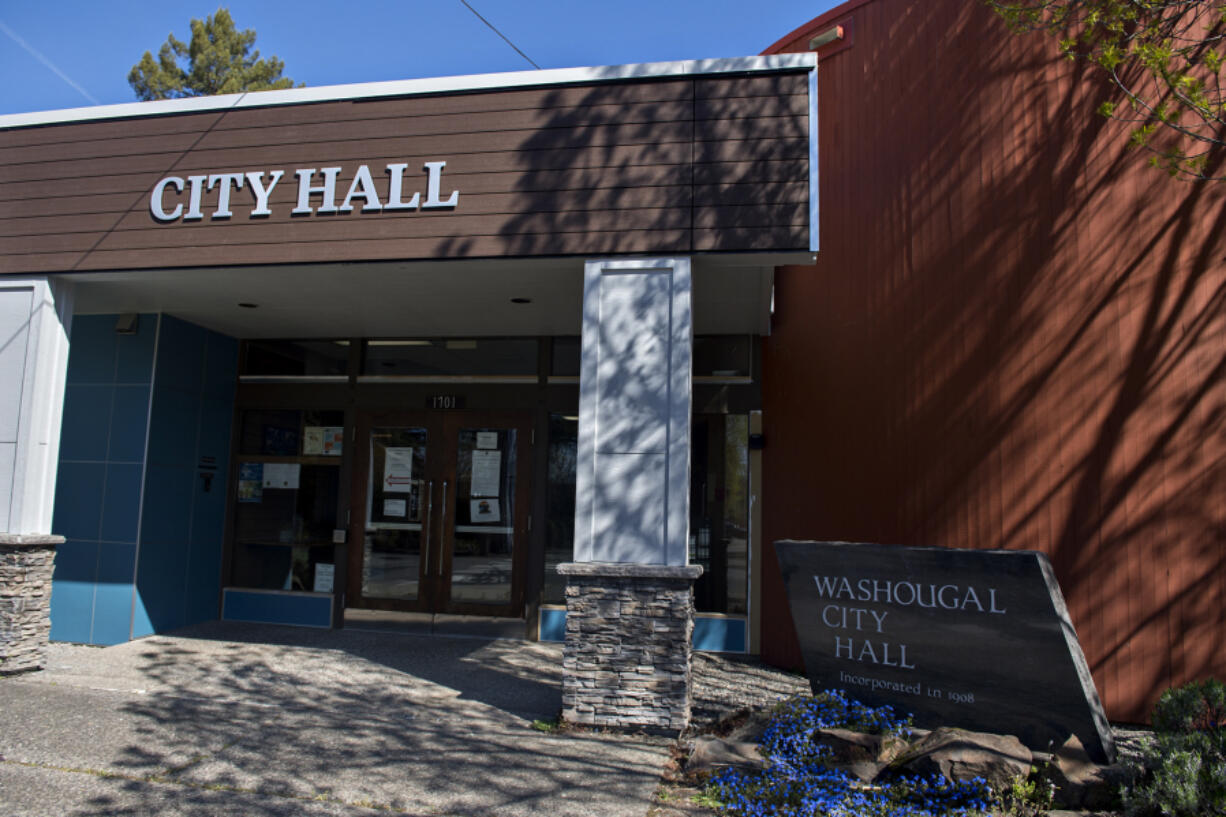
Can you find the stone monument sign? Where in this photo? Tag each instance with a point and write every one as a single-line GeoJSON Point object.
{"type": "Point", "coordinates": [973, 638]}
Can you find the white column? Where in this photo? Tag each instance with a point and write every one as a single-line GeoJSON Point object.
{"type": "Point", "coordinates": [633, 469]}
{"type": "Point", "coordinates": [35, 319]}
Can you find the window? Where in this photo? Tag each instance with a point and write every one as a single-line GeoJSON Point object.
{"type": "Point", "coordinates": [295, 358]}
{"type": "Point", "coordinates": [716, 357]}
{"type": "Point", "coordinates": [484, 357]}
{"type": "Point", "coordinates": [287, 495]}
{"type": "Point", "coordinates": [722, 356]}
{"type": "Point", "coordinates": [719, 509]}
{"type": "Point", "coordinates": [719, 512]}
{"type": "Point", "coordinates": [560, 503]}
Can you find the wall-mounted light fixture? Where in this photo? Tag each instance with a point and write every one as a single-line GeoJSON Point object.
{"type": "Point", "coordinates": [127, 324]}
{"type": "Point", "coordinates": [828, 36]}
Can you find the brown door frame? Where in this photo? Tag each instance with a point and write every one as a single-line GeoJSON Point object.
{"type": "Point", "coordinates": [438, 546]}
{"type": "Point", "coordinates": [364, 421]}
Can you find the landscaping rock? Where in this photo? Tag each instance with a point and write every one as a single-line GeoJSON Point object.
{"type": "Point", "coordinates": [1080, 782]}
{"type": "Point", "coordinates": [712, 754]}
{"type": "Point", "coordinates": [846, 745]}
{"type": "Point", "coordinates": [959, 754]}
{"type": "Point", "coordinates": [892, 746]}
{"type": "Point", "coordinates": [751, 729]}
{"type": "Point", "coordinates": [856, 753]}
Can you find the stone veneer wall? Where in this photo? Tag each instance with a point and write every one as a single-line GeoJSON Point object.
{"type": "Point", "coordinates": [626, 660]}
{"type": "Point", "coordinates": [26, 565]}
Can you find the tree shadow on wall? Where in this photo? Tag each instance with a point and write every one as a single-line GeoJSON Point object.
{"type": "Point", "coordinates": [1014, 338]}
{"type": "Point", "coordinates": [664, 166]}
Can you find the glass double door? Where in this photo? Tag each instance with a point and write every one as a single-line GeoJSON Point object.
{"type": "Point", "coordinates": [439, 520]}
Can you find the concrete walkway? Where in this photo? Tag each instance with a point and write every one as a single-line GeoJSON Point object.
{"type": "Point", "coordinates": [250, 720]}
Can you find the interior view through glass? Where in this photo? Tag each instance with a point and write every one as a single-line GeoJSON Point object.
{"type": "Point", "coordinates": [438, 492]}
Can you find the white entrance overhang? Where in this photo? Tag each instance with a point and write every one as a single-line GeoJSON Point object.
{"type": "Point", "coordinates": [732, 295]}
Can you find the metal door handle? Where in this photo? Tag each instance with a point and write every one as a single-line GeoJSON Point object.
{"type": "Point", "coordinates": [425, 527]}
{"type": "Point", "coordinates": [440, 550]}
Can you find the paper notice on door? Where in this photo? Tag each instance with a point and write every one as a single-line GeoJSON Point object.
{"type": "Point", "coordinates": [487, 468]}
{"type": "Point", "coordinates": [396, 507]}
{"type": "Point", "coordinates": [483, 510]}
{"type": "Point", "coordinates": [397, 470]}
{"type": "Point", "coordinates": [281, 475]}
{"type": "Point", "coordinates": [487, 439]}
{"type": "Point", "coordinates": [323, 441]}
{"type": "Point", "coordinates": [325, 575]}
{"type": "Point", "coordinates": [250, 482]}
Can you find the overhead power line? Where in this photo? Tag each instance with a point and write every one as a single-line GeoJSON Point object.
{"type": "Point", "coordinates": [500, 34]}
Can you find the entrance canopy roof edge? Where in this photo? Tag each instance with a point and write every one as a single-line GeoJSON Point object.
{"type": "Point", "coordinates": [415, 87]}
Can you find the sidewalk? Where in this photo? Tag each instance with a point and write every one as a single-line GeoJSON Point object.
{"type": "Point", "coordinates": [228, 719]}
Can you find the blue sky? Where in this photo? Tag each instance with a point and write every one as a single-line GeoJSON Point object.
{"type": "Point", "coordinates": [84, 49]}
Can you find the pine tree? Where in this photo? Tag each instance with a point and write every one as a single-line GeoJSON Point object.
{"type": "Point", "coordinates": [219, 60]}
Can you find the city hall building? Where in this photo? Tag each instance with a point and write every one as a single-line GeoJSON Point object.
{"type": "Point", "coordinates": [387, 355]}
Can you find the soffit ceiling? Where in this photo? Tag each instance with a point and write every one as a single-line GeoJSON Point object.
{"type": "Point", "coordinates": [439, 298]}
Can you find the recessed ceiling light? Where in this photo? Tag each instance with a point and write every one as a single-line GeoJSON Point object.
{"type": "Point", "coordinates": [521, 300]}
{"type": "Point", "coordinates": [246, 305]}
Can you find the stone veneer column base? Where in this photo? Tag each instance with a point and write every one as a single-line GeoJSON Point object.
{"type": "Point", "coordinates": [26, 565]}
{"type": "Point", "coordinates": [626, 661]}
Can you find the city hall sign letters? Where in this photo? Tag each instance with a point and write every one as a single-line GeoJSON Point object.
{"type": "Point", "coordinates": [189, 198]}
{"type": "Point", "coordinates": [974, 638]}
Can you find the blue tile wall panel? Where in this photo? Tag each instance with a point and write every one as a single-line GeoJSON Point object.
{"type": "Point", "coordinates": [116, 563]}
{"type": "Point", "coordinates": [121, 502]}
{"type": "Point", "coordinates": [98, 490]}
{"type": "Point", "coordinates": [719, 634]}
{"type": "Point", "coordinates": [209, 518]}
{"type": "Point", "coordinates": [87, 421]}
{"type": "Point", "coordinates": [182, 530]}
{"type": "Point", "coordinates": [168, 505]}
{"type": "Point", "coordinates": [160, 579]}
{"type": "Point", "coordinates": [91, 349]}
{"type": "Point", "coordinates": [112, 613]}
{"type": "Point", "coordinates": [201, 596]}
{"type": "Point", "coordinates": [220, 367]}
{"type": "Point", "coordinates": [299, 609]}
{"type": "Point", "coordinates": [142, 624]}
{"type": "Point", "coordinates": [78, 500]}
{"type": "Point", "coordinates": [216, 415]}
{"type": "Point", "coordinates": [127, 438]}
{"type": "Point", "coordinates": [97, 496]}
{"type": "Point", "coordinates": [134, 353]}
{"type": "Point", "coordinates": [181, 355]}
{"type": "Point", "coordinates": [552, 624]}
{"type": "Point", "coordinates": [72, 610]}
{"type": "Point", "coordinates": [174, 425]}
{"type": "Point", "coordinates": [76, 561]}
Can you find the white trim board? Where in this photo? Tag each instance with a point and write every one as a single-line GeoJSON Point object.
{"type": "Point", "coordinates": [413, 87]}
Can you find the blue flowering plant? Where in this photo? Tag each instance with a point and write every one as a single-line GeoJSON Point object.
{"type": "Point", "coordinates": [798, 782]}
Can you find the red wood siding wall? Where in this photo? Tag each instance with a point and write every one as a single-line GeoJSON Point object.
{"type": "Point", "coordinates": [1014, 337]}
{"type": "Point", "coordinates": [673, 166]}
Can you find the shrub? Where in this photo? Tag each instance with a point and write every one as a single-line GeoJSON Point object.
{"type": "Point", "coordinates": [1183, 773]}
{"type": "Point", "coordinates": [1199, 708]}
